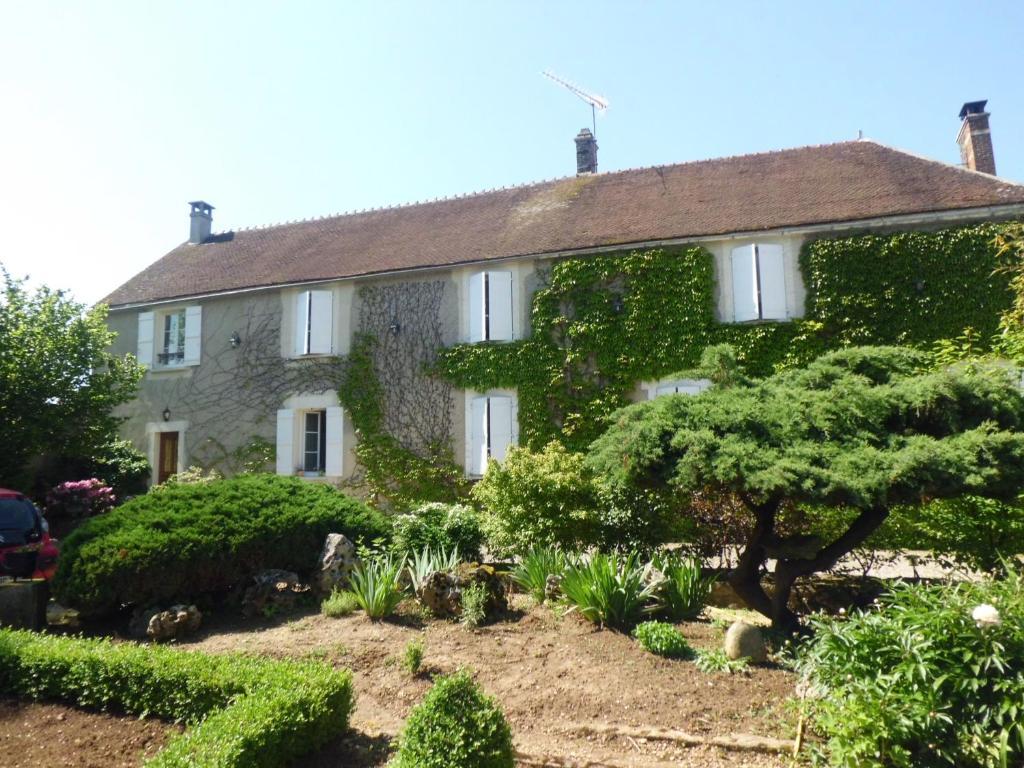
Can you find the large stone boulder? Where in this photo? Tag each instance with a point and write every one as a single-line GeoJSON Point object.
{"type": "Point", "coordinates": [272, 591]}
{"type": "Point", "coordinates": [441, 591]}
{"type": "Point", "coordinates": [337, 560]}
{"type": "Point", "coordinates": [162, 625]}
{"type": "Point", "coordinates": [744, 640]}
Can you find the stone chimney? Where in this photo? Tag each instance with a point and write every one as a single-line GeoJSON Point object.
{"type": "Point", "coordinates": [586, 152]}
{"type": "Point", "coordinates": [975, 140]}
{"type": "Point", "coordinates": [202, 222]}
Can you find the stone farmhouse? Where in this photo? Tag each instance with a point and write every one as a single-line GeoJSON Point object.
{"type": "Point", "coordinates": [243, 332]}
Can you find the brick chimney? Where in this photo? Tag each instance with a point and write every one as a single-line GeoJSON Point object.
{"type": "Point", "coordinates": [586, 152]}
{"type": "Point", "coordinates": [975, 140]}
{"type": "Point", "coordinates": [202, 222]}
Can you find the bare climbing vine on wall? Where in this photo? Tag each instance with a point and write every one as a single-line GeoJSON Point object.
{"type": "Point", "coordinates": [401, 413]}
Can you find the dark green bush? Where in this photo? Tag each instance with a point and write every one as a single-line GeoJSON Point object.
{"type": "Point", "coordinates": [182, 540]}
{"type": "Point", "coordinates": [933, 677]}
{"type": "Point", "coordinates": [242, 711]}
{"type": "Point", "coordinates": [662, 639]}
{"type": "Point", "coordinates": [440, 527]}
{"type": "Point", "coordinates": [455, 726]}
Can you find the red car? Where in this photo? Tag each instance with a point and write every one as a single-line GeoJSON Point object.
{"type": "Point", "coordinates": [26, 549]}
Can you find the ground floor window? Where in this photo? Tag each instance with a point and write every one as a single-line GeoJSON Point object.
{"type": "Point", "coordinates": [492, 428]}
{"type": "Point", "coordinates": [314, 455]}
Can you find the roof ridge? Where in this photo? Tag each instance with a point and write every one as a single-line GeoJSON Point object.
{"type": "Point", "coordinates": [535, 183]}
{"type": "Point", "coordinates": [944, 164]}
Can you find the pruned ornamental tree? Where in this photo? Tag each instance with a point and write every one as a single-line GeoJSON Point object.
{"type": "Point", "coordinates": [59, 383]}
{"type": "Point", "coordinates": [868, 428]}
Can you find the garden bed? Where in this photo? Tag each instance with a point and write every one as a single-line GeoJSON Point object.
{"type": "Point", "coordinates": [37, 735]}
{"type": "Point", "coordinates": [549, 673]}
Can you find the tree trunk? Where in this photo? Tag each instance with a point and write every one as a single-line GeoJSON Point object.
{"type": "Point", "coordinates": [787, 571]}
{"type": "Point", "coordinates": [745, 579]}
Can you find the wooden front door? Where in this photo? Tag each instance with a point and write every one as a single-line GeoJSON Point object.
{"type": "Point", "coordinates": [168, 459]}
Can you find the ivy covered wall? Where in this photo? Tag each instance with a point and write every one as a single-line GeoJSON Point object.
{"type": "Point", "coordinates": [603, 323]}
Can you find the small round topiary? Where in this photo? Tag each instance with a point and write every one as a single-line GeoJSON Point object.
{"type": "Point", "coordinates": [455, 726]}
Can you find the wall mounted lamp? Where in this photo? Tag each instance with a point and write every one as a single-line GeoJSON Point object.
{"type": "Point", "coordinates": [167, 414]}
{"type": "Point", "coordinates": [235, 340]}
{"type": "Point", "coordinates": [395, 327]}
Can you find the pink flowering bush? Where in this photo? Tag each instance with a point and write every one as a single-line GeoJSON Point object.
{"type": "Point", "coordinates": [75, 500]}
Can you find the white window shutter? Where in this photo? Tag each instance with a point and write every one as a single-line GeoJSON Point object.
{"type": "Point", "coordinates": [476, 450]}
{"type": "Point", "coordinates": [285, 438]}
{"type": "Point", "coordinates": [144, 350]}
{"type": "Point", "coordinates": [193, 334]}
{"type": "Point", "coordinates": [302, 323]}
{"type": "Point", "coordinates": [500, 426]}
{"type": "Point", "coordinates": [476, 307]}
{"type": "Point", "coordinates": [772, 272]}
{"type": "Point", "coordinates": [744, 284]}
{"type": "Point", "coordinates": [321, 323]}
{"type": "Point", "coordinates": [334, 445]}
{"type": "Point", "coordinates": [666, 389]}
{"type": "Point", "coordinates": [499, 306]}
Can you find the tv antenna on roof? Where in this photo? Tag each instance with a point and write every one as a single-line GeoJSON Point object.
{"type": "Point", "coordinates": [597, 103]}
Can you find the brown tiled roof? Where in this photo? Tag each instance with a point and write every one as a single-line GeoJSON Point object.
{"type": "Point", "coordinates": [811, 185]}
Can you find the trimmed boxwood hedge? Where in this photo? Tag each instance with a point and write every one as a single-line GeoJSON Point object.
{"type": "Point", "coordinates": [244, 711]}
{"type": "Point", "coordinates": [183, 540]}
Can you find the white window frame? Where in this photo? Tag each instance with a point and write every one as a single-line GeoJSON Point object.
{"type": "Point", "coordinates": [170, 338]}
{"type": "Point", "coordinates": [172, 324]}
{"type": "Point", "coordinates": [691, 387]}
{"type": "Point", "coordinates": [290, 445]}
{"type": "Point", "coordinates": [750, 288]}
{"type": "Point", "coordinates": [486, 290]}
{"type": "Point", "coordinates": [320, 453]}
{"type": "Point", "coordinates": [476, 465]}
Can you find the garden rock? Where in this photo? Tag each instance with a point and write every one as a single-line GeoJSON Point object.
{"type": "Point", "coordinates": [337, 561]}
{"type": "Point", "coordinates": [744, 640]}
{"type": "Point", "coordinates": [272, 591]}
{"type": "Point", "coordinates": [553, 587]}
{"type": "Point", "coordinates": [441, 591]}
{"type": "Point", "coordinates": [159, 626]}
{"type": "Point", "coordinates": [58, 615]}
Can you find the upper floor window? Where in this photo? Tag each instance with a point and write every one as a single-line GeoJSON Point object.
{"type": "Point", "coordinates": [492, 429]}
{"type": "Point", "coordinates": [677, 387]}
{"type": "Point", "coordinates": [171, 337]}
{"type": "Point", "coordinates": [759, 283]}
{"type": "Point", "coordinates": [490, 306]}
{"type": "Point", "coordinates": [314, 323]}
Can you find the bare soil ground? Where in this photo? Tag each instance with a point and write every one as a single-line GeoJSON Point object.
{"type": "Point", "coordinates": [548, 672]}
{"type": "Point", "coordinates": [35, 735]}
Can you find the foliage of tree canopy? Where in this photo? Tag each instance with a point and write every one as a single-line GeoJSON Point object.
{"type": "Point", "coordinates": [867, 428]}
{"type": "Point", "coordinates": [59, 383]}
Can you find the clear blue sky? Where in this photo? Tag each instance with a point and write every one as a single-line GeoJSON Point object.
{"type": "Point", "coordinates": [115, 114]}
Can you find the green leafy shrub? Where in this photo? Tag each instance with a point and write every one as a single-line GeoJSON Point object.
{"type": "Point", "coordinates": [339, 603]}
{"type": "Point", "coordinates": [610, 590]}
{"type": "Point", "coordinates": [412, 658]}
{"type": "Point", "coordinates": [439, 527]}
{"type": "Point", "coordinates": [662, 639]}
{"type": "Point", "coordinates": [685, 590]}
{"type": "Point", "coordinates": [428, 561]}
{"type": "Point", "coordinates": [243, 711]}
{"type": "Point", "coordinates": [716, 661]}
{"type": "Point", "coordinates": [474, 604]}
{"type": "Point", "coordinates": [933, 677]}
{"type": "Point", "coordinates": [187, 539]}
{"type": "Point", "coordinates": [455, 726]}
{"type": "Point", "coordinates": [532, 499]}
{"type": "Point", "coordinates": [532, 572]}
{"type": "Point", "coordinates": [376, 585]}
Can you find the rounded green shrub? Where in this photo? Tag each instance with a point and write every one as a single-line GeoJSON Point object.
{"type": "Point", "coordinates": [456, 726]}
{"type": "Point", "coordinates": [662, 639]}
{"type": "Point", "coordinates": [440, 527]}
{"type": "Point", "coordinates": [182, 540]}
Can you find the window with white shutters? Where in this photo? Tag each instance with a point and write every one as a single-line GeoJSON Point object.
{"type": "Point", "coordinates": [678, 387]}
{"type": "Point", "coordinates": [492, 431]}
{"type": "Point", "coordinates": [314, 323]}
{"type": "Point", "coordinates": [759, 283]}
{"type": "Point", "coordinates": [174, 336]}
{"type": "Point", "coordinates": [490, 306]}
{"type": "Point", "coordinates": [310, 441]}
